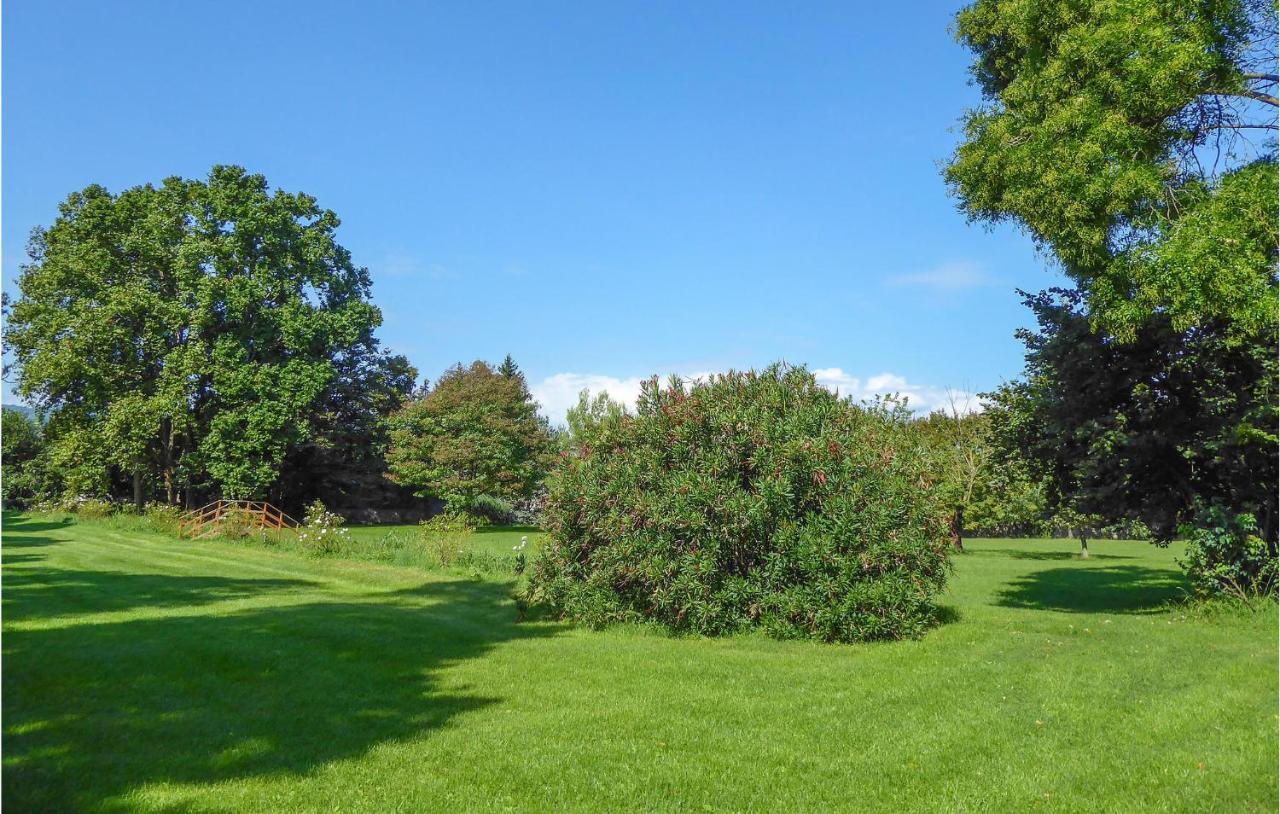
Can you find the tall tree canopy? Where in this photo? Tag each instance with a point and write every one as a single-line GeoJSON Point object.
{"type": "Point", "coordinates": [1135, 140]}
{"type": "Point", "coordinates": [343, 463]}
{"type": "Point", "coordinates": [957, 441]}
{"type": "Point", "coordinates": [986, 488]}
{"type": "Point", "coordinates": [186, 334]}
{"type": "Point", "coordinates": [476, 432]}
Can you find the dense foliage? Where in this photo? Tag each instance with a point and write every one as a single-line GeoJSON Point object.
{"type": "Point", "coordinates": [1135, 141]}
{"type": "Point", "coordinates": [490, 509]}
{"type": "Point", "coordinates": [753, 500]}
{"type": "Point", "coordinates": [1226, 553]}
{"type": "Point", "coordinates": [476, 432]}
{"type": "Point", "coordinates": [1157, 429]}
{"type": "Point", "coordinates": [190, 335]}
{"type": "Point", "coordinates": [988, 490]}
{"type": "Point", "coordinates": [960, 454]}
{"type": "Point", "coordinates": [1107, 129]}
{"type": "Point", "coordinates": [584, 418]}
{"type": "Point", "coordinates": [344, 461]}
{"type": "Point", "coordinates": [1009, 501]}
{"type": "Point", "coordinates": [22, 474]}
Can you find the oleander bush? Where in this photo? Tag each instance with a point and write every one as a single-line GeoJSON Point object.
{"type": "Point", "coordinates": [752, 500]}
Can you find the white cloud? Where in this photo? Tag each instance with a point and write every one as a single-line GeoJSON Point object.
{"type": "Point", "coordinates": [952, 276]}
{"type": "Point", "coordinates": [557, 393]}
{"type": "Point", "coordinates": [921, 398]}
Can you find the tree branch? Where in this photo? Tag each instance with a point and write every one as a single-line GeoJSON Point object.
{"type": "Point", "coordinates": [1265, 98]}
{"type": "Point", "coordinates": [1229, 126]}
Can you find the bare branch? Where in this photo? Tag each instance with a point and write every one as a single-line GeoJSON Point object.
{"type": "Point", "coordinates": [1257, 96]}
{"type": "Point", "coordinates": [1239, 126]}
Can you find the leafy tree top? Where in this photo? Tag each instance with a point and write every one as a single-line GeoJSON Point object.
{"type": "Point", "coordinates": [1120, 134]}
{"type": "Point", "coordinates": [476, 432]}
{"type": "Point", "coordinates": [585, 419]}
{"type": "Point", "coordinates": [189, 328]}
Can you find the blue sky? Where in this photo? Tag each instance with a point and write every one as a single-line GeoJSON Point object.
{"type": "Point", "coordinates": [603, 190]}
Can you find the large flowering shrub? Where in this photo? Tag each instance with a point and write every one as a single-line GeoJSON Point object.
{"type": "Point", "coordinates": [754, 500]}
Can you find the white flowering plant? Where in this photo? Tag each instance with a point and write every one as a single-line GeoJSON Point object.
{"type": "Point", "coordinates": [322, 529]}
{"type": "Point", "coordinates": [521, 560]}
{"type": "Point", "coordinates": [84, 506]}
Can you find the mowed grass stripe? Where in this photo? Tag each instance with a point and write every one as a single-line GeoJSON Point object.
{"type": "Point", "coordinates": [226, 677]}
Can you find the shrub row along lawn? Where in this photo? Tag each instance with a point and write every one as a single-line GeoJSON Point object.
{"type": "Point", "coordinates": [142, 673]}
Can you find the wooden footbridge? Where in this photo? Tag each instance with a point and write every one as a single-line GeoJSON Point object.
{"type": "Point", "coordinates": [258, 514]}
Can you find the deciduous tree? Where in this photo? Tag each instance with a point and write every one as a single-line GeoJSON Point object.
{"type": "Point", "coordinates": [1156, 429]}
{"type": "Point", "coordinates": [21, 447]}
{"type": "Point", "coordinates": [584, 420]}
{"type": "Point", "coordinates": [186, 334]}
{"type": "Point", "coordinates": [1135, 141]}
{"type": "Point", "coordinates": [476, 432]}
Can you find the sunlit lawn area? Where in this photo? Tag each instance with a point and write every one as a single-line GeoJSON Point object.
{"type": "Point", "coordinates": [146, 674]}
{"type": "Point", "coordinates": [495, 540]}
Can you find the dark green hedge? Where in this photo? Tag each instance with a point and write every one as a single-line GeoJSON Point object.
{"type": "Point", "coordinates": [754, 500]}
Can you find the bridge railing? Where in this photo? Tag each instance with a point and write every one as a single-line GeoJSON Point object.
{"type": "Point", "coordinates": [208, 519]}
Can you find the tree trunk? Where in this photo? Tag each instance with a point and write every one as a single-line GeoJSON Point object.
{"type": "Point", "coordinates": [139, 500]}
{"type": "Point", "coordinates": [166, 434]}
{"type": "Point", "coordinates": [957, 529]}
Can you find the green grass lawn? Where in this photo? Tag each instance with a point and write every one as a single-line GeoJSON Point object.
{"type": "Point", "coordinates": [147, 674]}
{"type": "Point", "coordinates": [494, 540]}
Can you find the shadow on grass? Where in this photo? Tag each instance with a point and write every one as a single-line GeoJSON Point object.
{"type": "Point", "coordinates": [945, 615]}
{"type": "Point", "coordinates": [26, 590]}
{"type": "Point", "coordinates": [93, 711]}
{"type": "Point", "coordinates": [10, 559]}
{"type": "Point", "coordinates": [21, 531]}
{"type": "Point", "coordinates": [29, 540]}
{"type": "Point", "coordinates": [1106, 589]}
{"type": "Point", "coordinates": [1025, 554]}
{"type": "Point", "coordinates": [22, 522]}
{"type": "Point", "coordinates": [1064, 556]}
